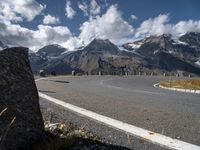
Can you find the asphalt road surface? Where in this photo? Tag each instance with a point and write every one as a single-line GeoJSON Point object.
{"type": "Point", "coordinates": [131, 99]}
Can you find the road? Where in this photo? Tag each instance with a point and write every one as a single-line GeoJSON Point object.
{"type": "Point", "coordinates": [132, 100]}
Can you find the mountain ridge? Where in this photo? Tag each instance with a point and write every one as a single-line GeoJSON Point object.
{"type": "Point", "coordinates": [154, 53]}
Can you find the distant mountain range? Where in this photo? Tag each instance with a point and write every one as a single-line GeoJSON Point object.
{"type": "Point", "coordinates": [156, 54]}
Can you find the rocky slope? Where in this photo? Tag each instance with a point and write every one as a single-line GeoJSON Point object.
{"type": "Point", "coordinates": [165, 53]}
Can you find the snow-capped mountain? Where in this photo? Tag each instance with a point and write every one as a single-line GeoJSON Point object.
{"type": "Point", "coordinates": [155, 53]}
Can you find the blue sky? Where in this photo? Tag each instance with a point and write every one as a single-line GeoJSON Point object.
{"type": "Point", "coordinates": [73, 23]}
{"type": "Point", "coordinates": [143, 9]}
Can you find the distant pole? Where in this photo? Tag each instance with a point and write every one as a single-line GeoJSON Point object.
{"type": "Point", "coordinates": [73, 73]}
{"type": "Point", "coordinates": [164, 74]}
{"type": "Point", "coordinates": [170, 80]}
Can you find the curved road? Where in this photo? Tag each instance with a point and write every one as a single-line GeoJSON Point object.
{"type": "Point", "coordinates": [133, 100]}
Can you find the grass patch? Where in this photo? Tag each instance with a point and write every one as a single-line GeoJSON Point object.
{"type": "Point", "coordinates": [193, 84]}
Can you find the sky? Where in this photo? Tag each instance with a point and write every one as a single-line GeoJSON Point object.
{"type": "Point", "coordinates": [75, 23]}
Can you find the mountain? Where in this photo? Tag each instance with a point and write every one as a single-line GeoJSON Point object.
{"type": "Point", "coordinates": [155, 53]}
{"type": "Point", "coordinates": [165, 53]}
{"type": "Point", "coordinates": [51, 50]}
{"type": "Point", "coordinates": [193, 40]}
{"type": "Point", "coordinates": [2, 45]}
{"type": "Point", "coordinates": [43, 56]}
{"type": "Point", "coordinates": [101, 47]}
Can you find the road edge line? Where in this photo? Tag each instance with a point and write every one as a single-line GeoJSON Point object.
{"type": "Point", "coordinates": [150, 136]}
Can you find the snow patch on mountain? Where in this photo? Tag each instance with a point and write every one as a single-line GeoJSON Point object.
{"type": "Point", "coordinates": [178, 42]}
{"type": "Point", "coordinates": [197, 63]}
{"type": "Point", "coordinates": [121, 48]}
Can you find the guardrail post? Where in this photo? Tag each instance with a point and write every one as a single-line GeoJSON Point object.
{"type": "Point", "coordinates": [73, 73]}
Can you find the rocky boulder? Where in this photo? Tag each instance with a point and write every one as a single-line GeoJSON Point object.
{"type": "Point", "coordinates": [21, 124]}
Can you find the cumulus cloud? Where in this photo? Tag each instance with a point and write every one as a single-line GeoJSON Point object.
{"type": "Point", "coordinates": [16, 10]}
{"type": "Point", "coordinates": [160, 25]}
{"type": "Point", "coordinates": [111, 26]}
{"type": "Point", "coordinates": [183, 27]}
{"type": "Point", "coordinates": [153, 26]}
{"type": "Point", "coordinates": [16, 35]}
{"type": "Point", "coordinates": [84, 7]}
{"type": "Point", "coordinates": [70, 12]}
{"type": "Point", "coordinates": [48, 19]}
{"type": "Point", "coordinates": [95, 9]}
{"type": "Point", "coordinates": [91, 9]}
{"type": "Point", "coordinates": [133, 17]}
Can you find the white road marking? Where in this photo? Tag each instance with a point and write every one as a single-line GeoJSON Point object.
{"type": "Point", "coordinates": [130, 90]}
{"type": "Point", "coordinates": [150, 136]}
{"type": "Point", "coordinates": [156, 85]}
{"type": "Point", "coordinates": [177, 89]}
{"type": "Point", "coordinates": [39, 79]}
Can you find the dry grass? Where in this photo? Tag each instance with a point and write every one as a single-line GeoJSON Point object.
{"type": "Point", "coordinates": [193, 84]}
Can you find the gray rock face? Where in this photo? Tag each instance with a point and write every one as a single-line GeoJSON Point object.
{"type": "Point", "coordinates": [21, 125]}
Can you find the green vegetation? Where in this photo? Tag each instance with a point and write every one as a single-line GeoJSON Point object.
{"type": "Point", "coordinates": [193, 84]}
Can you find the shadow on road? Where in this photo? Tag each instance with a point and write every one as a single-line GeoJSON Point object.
{"type": "Point", "coordinates": [60, 81]}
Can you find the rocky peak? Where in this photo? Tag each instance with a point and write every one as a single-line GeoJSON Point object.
{"type": "Point", "coordinates": [100, 45]}
{"type": "Point", "coordinates": [192, 39]}
{"type": "Point", "coordinates": [51, 50]}
{"type": "Point", "coordinates": [162, 40]}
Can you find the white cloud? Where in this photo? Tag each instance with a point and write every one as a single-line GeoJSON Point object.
{"type": "Point", "coordinates": [84, 7]}
{"type": "Point", "coordinates": [95, 9]}
{"type": "Point", "coordinates": [16, 35]}
{"type": "Point", "coordinates": [160, 25]}
{"type": "Point", "coordinates": [155, 26]}
{"type": "Point", "coordinates": [109, 26]}
{"type": "Point", "coordinates": [48, 19]}
{"type": "Point", "coordinates": [133, 17]}
{"type": "Point", "coordinates": [16, 10]}
{"type": "Point", "coordinates": [70, 12]}
{"type": "Point", "coordinates": [72, 43]}
{"type": "Point", "coordinates": [183, 27]}
{"type": "Point", "coordinates": [91, 9]}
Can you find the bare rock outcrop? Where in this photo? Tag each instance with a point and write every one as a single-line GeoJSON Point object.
{"type": "Point", "coordinates": [21, 124]}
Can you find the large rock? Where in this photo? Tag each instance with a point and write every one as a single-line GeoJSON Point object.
{"type": "Point", "coordinates": [21, 125]}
